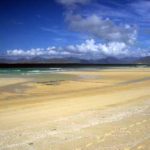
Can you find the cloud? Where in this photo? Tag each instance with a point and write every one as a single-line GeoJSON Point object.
{"type": "Point", "coordinates": [32, 52]}
{"type": "Point", "coordinates": [98, 50]}
{"type": "Point", "coordinates": [104, 29]}
{"type": "Point", "coordinates": [72, 2]}
{"type": "Point", "coordinates": [89, 49]}
{"type": "Point", "coordinates": [141, 7]}
{"type": "Point", "coordinates": [95, 25]}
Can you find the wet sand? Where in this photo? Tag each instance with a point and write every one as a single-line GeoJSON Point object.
{"type": "Point", "coordinates": [105, 109]}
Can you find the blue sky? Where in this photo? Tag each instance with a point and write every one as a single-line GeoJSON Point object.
{"type": "Point", "coordinates": [81, 28]}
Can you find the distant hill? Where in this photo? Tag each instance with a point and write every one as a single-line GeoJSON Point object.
{"type": "Point", "coordinates": [114, 60]}
{"type": "Point", "coordinates": [143, 60]}
{"type": "Point", "coordinates": [72, 60]}
{"type": "Point", "coordinates": [108, 60]}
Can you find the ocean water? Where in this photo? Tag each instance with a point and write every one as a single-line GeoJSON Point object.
{"type": "Point", "coordinates": [34, 71]}
{"type": "Point", "coordinates": [25, 71]}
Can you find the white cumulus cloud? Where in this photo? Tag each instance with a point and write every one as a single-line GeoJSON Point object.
{"type": "Point", "coordinates": [89, 49]}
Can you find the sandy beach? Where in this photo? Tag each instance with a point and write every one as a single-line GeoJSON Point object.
{"type": "Point", "coordinates": [101, 109]}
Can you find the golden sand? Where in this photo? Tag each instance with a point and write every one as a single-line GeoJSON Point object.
{"type": "Point", "coordinates": [98, 110]}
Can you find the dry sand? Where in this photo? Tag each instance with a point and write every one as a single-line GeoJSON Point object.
{"type": "Point", "coordinates": [94, 110]}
